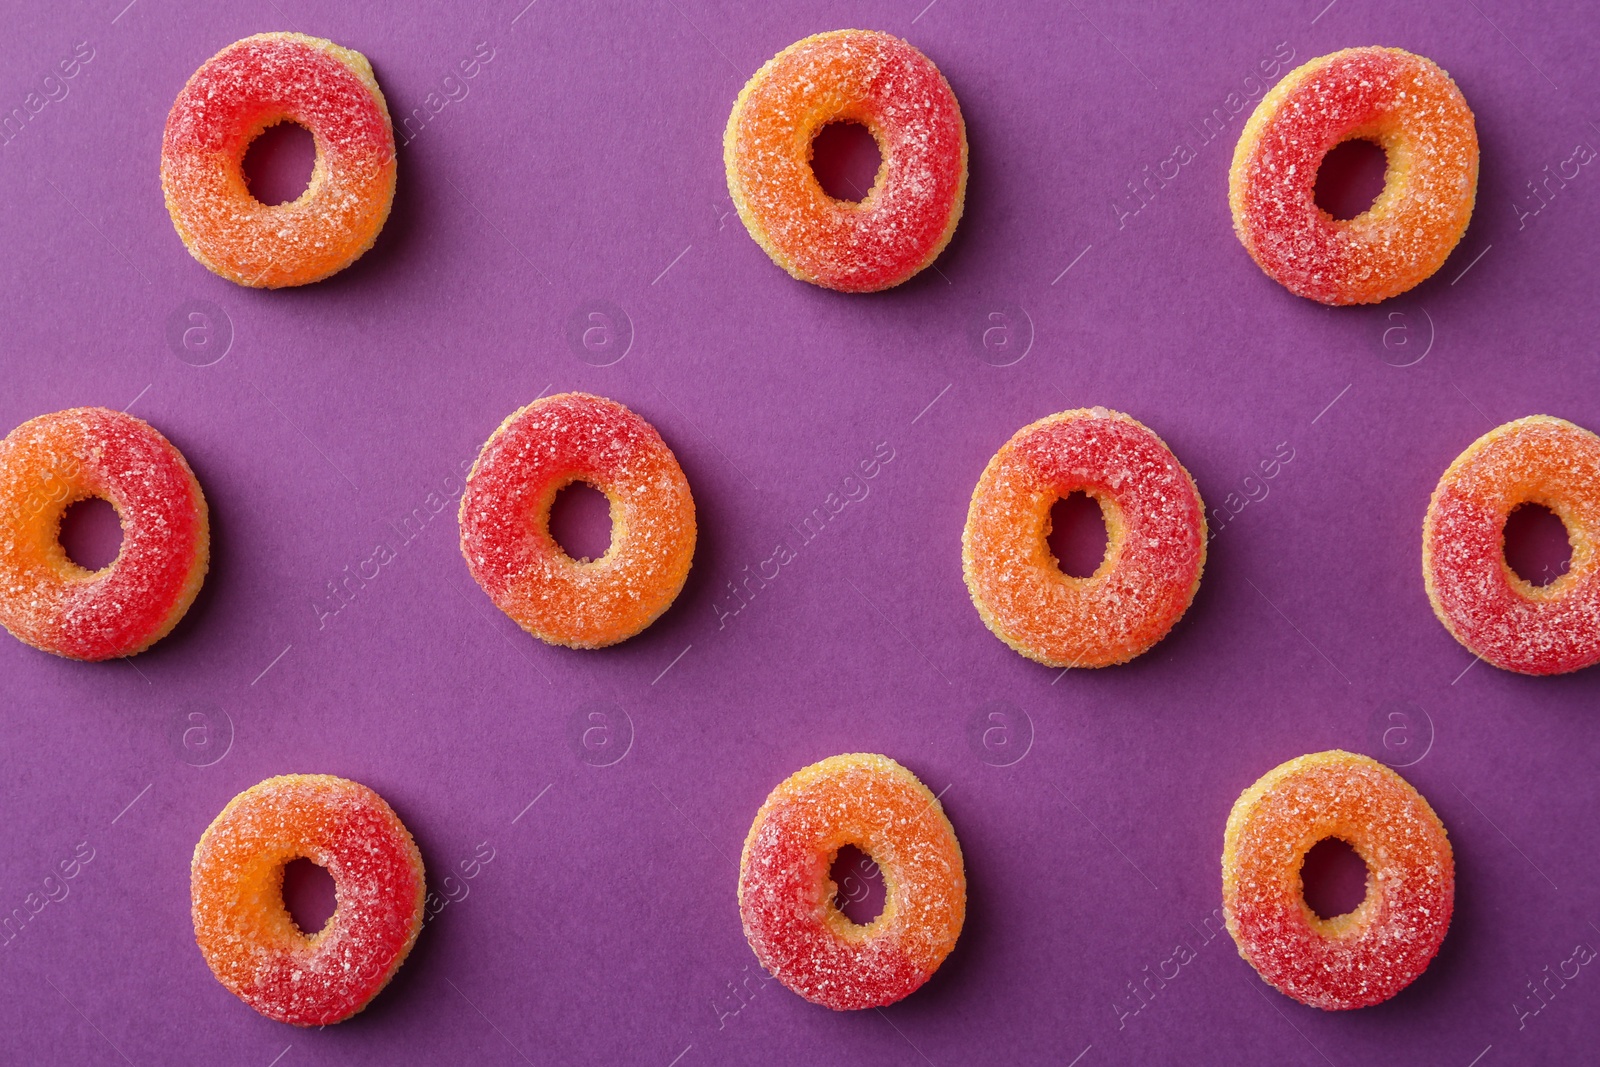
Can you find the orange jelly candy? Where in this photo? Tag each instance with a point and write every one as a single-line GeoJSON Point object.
{"type": "Point", "coordinates": [910, 213]}
{"type": "Point", "coordinates": [1365, 956]}
{"type": "Point", "coordinates": [248, 86]}
{"type": "Point", "coordinates": [243, 928]}
{"type": "Point", "coordinates": [1409, 107]}
{"type": "Point", "coordinates": [786, 897]}
{"type": "Point", "coordinates": [51, 462]}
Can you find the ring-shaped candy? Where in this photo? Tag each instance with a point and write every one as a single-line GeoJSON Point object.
{"type": "Point", "coordinates": [248, 86]}
{"type": "Point", "coordinates": [910, 213]}
{"type": "Point", "coordinates": [244, 929]}
{"type": "Point", "coordinates": [1155, 547]}
{"type": "Point", "coordinates": [786, 896]}
{"type": "Point", "coordinates": [1494, 612]}
{"type": "Point", "coordinates": [50, 463]}
{"type": "Point", "coordinates": [1414, 111]}
{"type": "Point", "coordinates": [1365, 956]}
{"type": "Point", "coordinates": [505, 521]}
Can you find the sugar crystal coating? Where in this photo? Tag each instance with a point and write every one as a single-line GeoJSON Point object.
{"type": "Point", "coordinates": [1155, 545]}
{"type": "Point", "coordinates": [246, 933]}
{"type": "Point", "coordinates": [786, 897]}
{"type": "Point", "coordinates": [505, 521]}
{"type": "Point", "coordinates": [1368, 955]}
{"type": "Point", "coordinates": [911, 211]}
{"type": "Point", "coordinates": [53, 461]}
{"type": "Point", "coordinates": [1413, 110]}
{"type": "Point", "coordinates": [1488, 607]}
{"type": "Point", "coordinates": [248, 86]}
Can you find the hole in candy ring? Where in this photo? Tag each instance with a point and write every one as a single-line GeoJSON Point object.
{"type": "Point", "coordinates": [1078, 536]}
{"type": "Point", "coordinates": [861, 892]}
{"type": "Point", "coordinates": [1333, 878]}
{"type": "Point", "coordinates": [580, 521]}
{"type": "Point", "coordinates": [1351, 178]}
{"type": "Point", "coordinates": [845, 158]}
{"type": "Point", "coordinates": [91, 533]}
{"type": "Point", "coordinates": [1537, 545]}
{"type": "Point", "coordinates": [309, 895]}
{"type": "Point", "coordinates": [278, 164]}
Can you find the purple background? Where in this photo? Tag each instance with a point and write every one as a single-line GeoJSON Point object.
{"type": "Point", "coordinates": [582, 168]}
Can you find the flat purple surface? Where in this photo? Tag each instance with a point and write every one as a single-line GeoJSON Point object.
{"type": "Point", "coordinates": [580, 172]}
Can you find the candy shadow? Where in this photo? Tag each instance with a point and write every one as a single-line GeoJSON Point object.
{"type": "Point", "coordinates": [193, 627]}
{"type": "Point", "coordinates": [941, 275]}
{"type": "Point", "coordinates": [1205, 620]}
{"type": "Point", "coordinates": [686, 616]}
{"type": "Point", "coordinates": [403, 998]}
{"type": "Point", "coordinates": [389, 251]}
{"type": "Point", "coordinates": [393, 246]}
{"type": "Point", "coordinates": [968, 968]}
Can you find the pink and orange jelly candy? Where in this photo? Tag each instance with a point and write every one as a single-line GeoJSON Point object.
{"type": "Point", "coordinates": [1365, 956]}
{"type": "Point", "coordinates": [50, 463]}
{"type": "Point", "coordinates": [1494, 612]}
{"type": "Point", "coordinates": [786, 896]}
{"type": "Point", "coordinates": [1408, 106]}
{"type": "Point", "coordinates": [243, 928]}
{"type": "Point", "coordinates": [235, 95]}
{"type": "Point", "coordinates": [505, 521]}
{"type": "Point", "coordinates": [911, 211]}
{"type": "Point", "coordinates": [1155, 547]}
